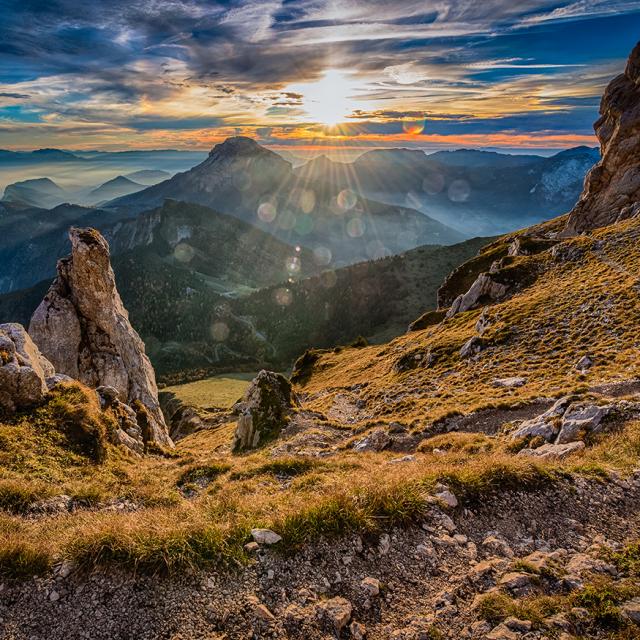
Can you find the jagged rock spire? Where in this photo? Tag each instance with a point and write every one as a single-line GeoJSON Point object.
{"type": "Point", "coordinates": [82, 327]}
{"type": "Point", "coordinates": [612, 188]}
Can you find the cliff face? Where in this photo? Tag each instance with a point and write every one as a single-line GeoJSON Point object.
{"type": "Point", "coordinates": [82, 327]}
{"type": "Point", "coordinates": [612, 187]}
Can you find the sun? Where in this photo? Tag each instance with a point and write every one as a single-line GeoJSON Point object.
{"type": "Point", "coordinates": [329, 100]}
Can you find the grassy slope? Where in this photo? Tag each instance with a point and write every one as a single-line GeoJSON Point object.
{"type": "Point", "coordinates": [587, 306]}
{"type": "Point", "coordinates": [218, 391]}
{"type": "Point", "coordinates": [195, 507]}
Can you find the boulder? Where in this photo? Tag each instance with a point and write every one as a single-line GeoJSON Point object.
{"type": "Point", "coordinates": [82, 327]}
{"type": "Point", "coordinates": [546, 425]}
{"type": "Point", "coordinates": [631, 610]}
{"type": "Point", "coordinates": [485, 289]}
{"type": "Point", "coordinates": [129, 432]}
{"type": "Point", "coordinates": [23, 370]}
{"type": "Point", "coordinates": [509, 383]}
{"type": "Point", "coordinates": [335, 613]}
{"type": "Point", "coordinates": [472, 347]}
{"type": "Point", "coordinates": [263, 410]}
{"type": "Point", "coordinates": [581, 419]}
{"type": "Point", "coordinates": [612, 188]}
{"type": "Point", "coordinates": [554, 451]}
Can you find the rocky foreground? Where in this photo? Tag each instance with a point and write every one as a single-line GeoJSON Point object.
{"type": "Point", "coordinates": [520, 565]}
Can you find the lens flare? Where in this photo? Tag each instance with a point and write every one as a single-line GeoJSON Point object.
{"type": "Point", "coordinates": [183, 252]}
{"type": "Point", "coordinates": [356, 227]}
{"type": "Point", "coordinates": [267, 212]}
{"type": "Point", "coordinates": [459, 191]}
{"type": "Point", "coordinates": [294, 265]}
{"type": "Point", "coordinates": [347, 199]}
{"type": "Point", "coordinates": [283, 297]}
{"type": "Point", "coordinates": [307, 200]}
{"type": "Point", "coordinates": [219, 331]}
{"type": "Point", "coordinates": [322, 256]}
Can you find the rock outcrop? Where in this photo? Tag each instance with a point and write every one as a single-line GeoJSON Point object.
{"type": "Point", "coordinates": [612, 188]}
{"type": "Point", "coordinates": [484, 290]}
{"type": "Point", "coordinates": [82, 327]}
{"type": "Point", "coordinates": [23, 370]}
{"type": "Point", "coordinates": [263, 410]}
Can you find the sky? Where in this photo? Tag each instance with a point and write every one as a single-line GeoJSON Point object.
{"type": "Point", "coordinates": [308, 74]}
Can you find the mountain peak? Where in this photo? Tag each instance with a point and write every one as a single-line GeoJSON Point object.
{"type": "Point", "coordinates": [612, 188]}
{"type": "Point", "coordinates": [237, 145]}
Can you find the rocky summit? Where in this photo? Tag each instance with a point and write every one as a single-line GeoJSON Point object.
{"type": "Point", "coordinates": [82, 327]}
{"type": "Point", "coordinates": [612, 187]}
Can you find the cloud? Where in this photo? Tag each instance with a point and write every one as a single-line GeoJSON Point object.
{"type": "Point", "coordinates": [186, 68]}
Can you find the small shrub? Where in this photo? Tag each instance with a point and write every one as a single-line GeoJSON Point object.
{"type": "Point", "coordinates": [202, 474]}
{"type": "Point", "coordinates": [22, 560]}
{"type": "Point", "coordinates": [18, 496]}
{"type": "Point", "coordinates": [290, 467]}
{"type": "Point", "coordinates": [75, 411]}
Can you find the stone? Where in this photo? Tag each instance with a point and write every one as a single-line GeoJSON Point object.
{"type": "Point", "coordinates": [583, 564]}
{"type": "Point", "coordinates": [521, 626]}
{"type": "Point", "coordinates": [251, 547]}
{"type": "Point", "coordinates": [335, 612]}
{"type": "Point", "coordinates": [448, 498]}
{"type": "Point", "coordinates": [554, 451]}
{"type": "Point", "coordinates": [358, 630]}
{"type": "Point", "coordinates": [516, 582]}
{"type": "Point", "coordinates": [580, 419]}
{"type": "Point", "coordinates": [472, 347]}
{"type": "Point", "coordinates": [612, 188]}
{"type": "Point", "coordinates": [23, 370]}
{"type": "Point", "coordinates": [265, 536]}
{"type": "Point", "coordinates": [502, 632]}
{"type": "Point", "coordinates": [371, 586]}
{"type": "Point", "coordinates": [54, 596]}
{"type": "Point", "coordinates": [585, 363]}
{"type": "Point", "coordinates": [631, 610]}
{"type": "Point", "coordinates": [263, 410]}
{"type": "Point", "coordinates": [545, 425]}
{"type": "Point", "coordinates": [259, 610]}
{"type": "Point", "coordinates": [509, 383]}
{"type": "Point", "coordinates": [182, 419]}
{"type": "Point", "coordinates": [377, 440]}
{"type": "Point", "coordinates": [129, 434]}
{"type": "Point", "coordinates": [497, 546]}
{"type": "Point", "coordinates": [82, 327]}
{"type": "Point", "coordinates": [484, 289]}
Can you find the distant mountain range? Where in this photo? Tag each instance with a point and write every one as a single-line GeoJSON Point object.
{"type": "Point", "coordinates": [254, 184]}
{"type": "Point", "coordinates": [244, 259]}
{"type": "Point", "coordinates": [474, 192]}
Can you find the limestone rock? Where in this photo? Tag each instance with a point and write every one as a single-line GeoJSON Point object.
{"type": "Point", "coordinates": [335, 612]}
{"type": "Point", "coordinates": [631, 610]}
{"type": "Point", "coordinates": [510, 383]}
{"type": "Point", "coordinates": [263, 410]}
{"type": "Point", "coordinates": [129, 433]}
{"type": "Point", "coordinates": [546, 424]}
{"type": "Point", "coordinates": [23, 370]}
{"type": "Point", "coordinates": [484, 289]}
{"type": "Point", "coordinates": [265, 536]}
{"type": "Point", "coordinates": [612, 188]}
{"type": "Point", "coordinates": [554, 451]}
{"type": "Point", "coordinates": [473, 346]}
{"type": "Point", "coordinates": [581, 419]}
{"type": "Point", "coordinates": [82, 327]}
